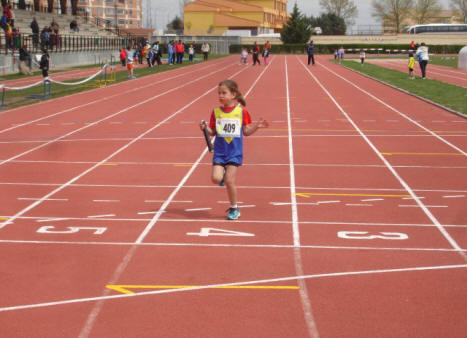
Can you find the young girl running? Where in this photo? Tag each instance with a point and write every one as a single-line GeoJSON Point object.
{"type": "Point", "coordinates": [229, 123]}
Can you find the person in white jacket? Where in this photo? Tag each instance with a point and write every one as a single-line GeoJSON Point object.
{"type": "Point", "coordinates": [422, 54]}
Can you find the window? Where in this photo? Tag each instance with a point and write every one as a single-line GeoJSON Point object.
{"type": "Point", "coordinates": [120, 11]}
{"type": "Point", "coordinates": [109, 11]}
{"type": "Point", "coordinates": [121, 21]}
{"type": "Point", "coordinates": [109, 1]}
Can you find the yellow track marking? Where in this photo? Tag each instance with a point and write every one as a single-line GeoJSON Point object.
{"type": "Point", "coordinates": [4, 218]}
{"type": "Point", "coordinates": [424, 154]}
{"type": "Point", "coordinates": [307, 195]}
{"type": "Point", "coordinates": [125, 288]}
{"type": "Point", "coordinates": [183, 165]}
{"type": "Point", "coordinates": [109, 164]}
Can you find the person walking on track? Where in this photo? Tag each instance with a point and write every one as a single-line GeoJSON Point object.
{"type": "Point", "coordinates": [255, 52]}
{"type": "Point", "coordinates": [229, 123]}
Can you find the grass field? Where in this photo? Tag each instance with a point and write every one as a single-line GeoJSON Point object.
{"type": "Point", "coordinates": [445, 94]}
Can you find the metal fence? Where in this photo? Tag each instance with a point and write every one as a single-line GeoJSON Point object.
{"type": "Point", "coordinates": [62, 43]}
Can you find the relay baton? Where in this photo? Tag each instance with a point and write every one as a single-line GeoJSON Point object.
{"type": "Point", "coordinates": [206, 136]}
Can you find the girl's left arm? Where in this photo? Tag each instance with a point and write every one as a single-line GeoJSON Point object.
{"type": "Point", "coordinates": [253, 127]}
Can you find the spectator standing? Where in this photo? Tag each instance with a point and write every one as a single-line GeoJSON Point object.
{"type": "Point", "coordinates": [422, 54]}
{"type": "Point", "coordinates": [45, 37]}
{"type": "Point", "coordinates": [310, 50]}
{"type": "Point", "coordinates": [170, 48]}
{"type": "Point", "coordinates": [12, 16]}
{"type": "Point", "coordinates": [411, 66]}
{"type": "Point", "coordinates": [156, 50]}
{"type": "Point", "coordinates": [130, 59]}
{"type": "Point", "coordinates": [362, 56]}
{"type": "Point", "coordinates": [44, 64]}
{"type": "Point", "coordinates": [255, 52]}
{"type": "Point", "coordinates": [205, 50]}
{"type": "Point", "coordinates": [191, 53]}
{"type": "Point", "coordinates": [266, 51]}
{"type": "Point", "coordinates": [340, 54]}
{"type": "Point", "coordinates": [123, 57]}
{"type": "Point", "coordinates": [179, 49]}
{"type": "Point", "coordinates": [35, 32]}
{"type": "Point", "coordinates": [244, 56]}
{"type": "Point", "coordinates": [24, 61]}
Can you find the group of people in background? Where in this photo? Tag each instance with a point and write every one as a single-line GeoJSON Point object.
{"type": "Point", "coordinates": [256, 52]}
{"type": "Point", "coordinates": [153, 54]}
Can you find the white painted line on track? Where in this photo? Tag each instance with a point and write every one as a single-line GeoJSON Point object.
{"type": "Point", "coordinates": [51, 220]}
{"type": "Point", "coordinates": [198, 209]}
{"type": "Point", "coordinates": [454, 196]}
{"type": "Point", "coordinates": [373, 199]}
{"type": "Point", "coordinates": [417, 206]}
{"type": "Point", "coordinates": [148, 212]}
{"type": "Point", "coordinates": [220, 220]}
{"type": "Point", "coordinates": [106, 201]}
{"type": "Point", "coordinates": [427, 212]}
{"type": "Point", "coordinates": [247, 206]}
{"type": "Point", "coordinates": [303, 291]}
{"type": "Point", "coordinates": [358, 205]}
{"type": "Point", "coordinates": [45, 199]}
{"type": "Point", "coordinates": [210, 286]}
{"type": "Point", "coordinates": [98, 216]}
{"type": "Point", "coordinates": [162, 201]}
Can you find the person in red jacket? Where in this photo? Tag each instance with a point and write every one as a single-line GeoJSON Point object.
{"type": "Point", "coordinates": [123, 57]}
{"type": "Point", "coordinates": [179, 49]}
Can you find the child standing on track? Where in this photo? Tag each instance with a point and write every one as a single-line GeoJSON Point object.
{"type": "Point", "coordinates": [411, 65]}
{"type": "Point", "coordinates": [229, 123]}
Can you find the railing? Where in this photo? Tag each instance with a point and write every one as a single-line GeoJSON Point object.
{"type": "Point", "coordinates": [62, 43]}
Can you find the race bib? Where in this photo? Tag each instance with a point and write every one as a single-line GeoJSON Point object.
{"type": "Point", "coordinates": [228, 127]}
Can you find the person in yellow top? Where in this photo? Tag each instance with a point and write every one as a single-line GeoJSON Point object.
{"type": "Point", "coordinates": [411, 65]}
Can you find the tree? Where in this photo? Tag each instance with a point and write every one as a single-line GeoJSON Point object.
{"type": "Point", "coordinates": [74, 7]}
{"type": "Point", "coordinates": [425, 9]}
{"type": "Point", "coordinates": [460, 6]}
{"type": "Point", "coordinates": [330, 24]}
{"type": "Point", "coordinates": [344, 9]}
{"type": "Point", "coordinates": [175, 24]}
{"type": "Point", "coordinates": [297, 28]}
{"type": "Point", "coordinates": [63, 4]}
{"type": "Point", "coordinates": [392, 12]}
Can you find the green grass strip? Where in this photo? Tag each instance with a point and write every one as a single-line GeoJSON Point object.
{"type": "Point", "coordinates": [445, 94]}
{"type": "Point", "coordinates": [18, 98]}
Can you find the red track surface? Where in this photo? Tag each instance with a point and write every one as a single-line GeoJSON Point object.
{"type": "Point", "coordinates": [450, 75]}
{"type": "Point", "coordinates": [329, 209]}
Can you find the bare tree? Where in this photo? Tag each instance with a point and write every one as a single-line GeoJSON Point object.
{"type": "Point", "coordinates": [425, 9]}
{"type": "Point", "coordinates": [460, 6]}
{"type": "Point", "coordinates": [344, 9]}
{"type": "Point", "coordinates": [392, 12]}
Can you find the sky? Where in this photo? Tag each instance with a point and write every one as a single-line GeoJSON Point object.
{"type": "Point", "coordinates": [157, 13]}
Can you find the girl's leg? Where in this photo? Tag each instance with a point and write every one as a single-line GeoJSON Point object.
{"type": "Point", "coordinates": [217, 174]}
{"type": "Point", "coordinates": [230, 173]}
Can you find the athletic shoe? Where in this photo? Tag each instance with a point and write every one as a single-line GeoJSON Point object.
{"type": "Point", "coordinates": [233, 213]}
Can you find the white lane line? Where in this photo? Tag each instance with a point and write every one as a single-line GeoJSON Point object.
{"type": "Point", "coordinates": [303, 291]}
{"type": "Point", "coordinates": [162, 201]}
{"type": "Point", "coordinates": [51, 220]}
{"type": "Point", "coordinates": [42, 124]}
{"type": "Point", "coordinates": [454, 196]}
{"type": "Point", "coordinates": [148, 212]}
{"type": "Point", "coordinates": [411, 198]}
{"type": "Point", "coordinates": [97, 216]}
{"type": "Point", "coordinates": [198, 209]}
{"type": "Point", "coordinates": [247, 206]}
{"type": "Point", "coordinates": [327, 202]}
{"type": "Point", "coordinates": [210, 286]}
{"type": "Point", "coordinates": [427, 212]}
{"type": "Point", "coordinates": [106, 201]}
{"type": "Point", "coordinates": [417, 206]}
{"type": "Point", "coordinates": [45, 199]}
{"type": "Point", "coordinates": [358, 205]}
{"type": "Point", "coordinates": [373, 199]}
{"type": "Point", "coordinates": [228, 202]}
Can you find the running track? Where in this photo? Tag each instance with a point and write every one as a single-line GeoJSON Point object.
{"type": "Point", "coordinates": [450, 75]}
{"type": "Point", "coordinates": [353, 211]}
